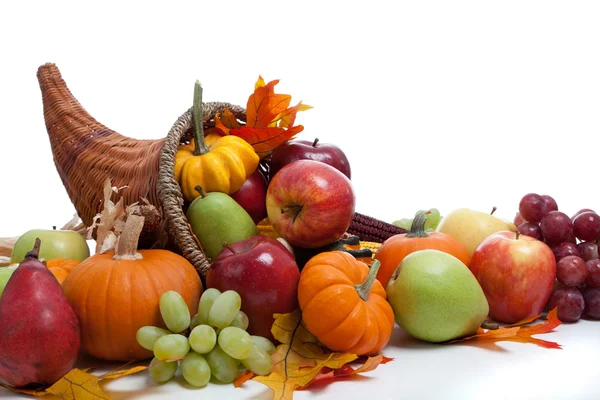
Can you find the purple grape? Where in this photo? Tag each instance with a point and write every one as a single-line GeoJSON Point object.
{"type": "Point", "coordinates": [586, 226]}
{"type": "Point", "coordinates": [581, 212]}
{"type": "Point", "coordinates": [569, 301]}
{"type": "Point", "coordinates": [588, 250]}
{"type": "Point", "coordinates": [518, 220]}
{"type": "Point", "coordinates": [565, 249]}
{"type": "Point", "coordinates": [550, 203]}
{"type": "Point", "coordinates": [571, 271]}
{"type": "Point", "coordinates": [532, 207]}
{"type": "Point", "coordinates": [591, 296]}
{"type": "Point", "coordinates": [531, 229]}
{"type": "Point", "coordinates": [556, 227]}
{"type": "Point", "coordinates": [593, 273]}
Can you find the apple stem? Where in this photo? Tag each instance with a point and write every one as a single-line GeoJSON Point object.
{"type": "Point", "coordinates": [517, 234]}
{"type": "Point", "coordinates": [200, 147]}
{"type": "Point", "coordinates": [126, 248]}
{"type": "Point", "coordinates": [35, 252]}
{"type": "Point", "coordinates": [199, 189]}
{"type": "Point", "coordinates": [294, 210]}
{"type": "Point", "coordinates": [53, 227]}
{"type": "Point", "coordinates": [493, 210]}
{"type": "Point", "coordinates": [364, 288]}
{"type": "Point", "coordinates": [315, 142]}
{"type": "Point", "coordinates": [417, 228]}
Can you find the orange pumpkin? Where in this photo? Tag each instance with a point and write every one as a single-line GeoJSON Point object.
{"type": "Point", "coordinates": [393, 250]}
{"type": "Point", "coordinates": [113, 295]}
{"type": "Point", "coordinates": [60, 268]}
{"type": "Point", "coordinates": [343, 305]}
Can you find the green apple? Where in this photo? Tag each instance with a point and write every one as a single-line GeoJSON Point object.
{"type": "Point", "coordinates": [5, 274]}
{"type": "Point", "coordinates": [435, 297]}
{"type": "Point", "coordinates": [69, 245]}
{"type": "Point", "coordinates": [470, 227]}
{"type": "Point", "coordinates": [216, 219]}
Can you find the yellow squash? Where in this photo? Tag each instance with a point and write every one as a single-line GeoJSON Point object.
{"type": "Point", "coordinates": [216, 163]}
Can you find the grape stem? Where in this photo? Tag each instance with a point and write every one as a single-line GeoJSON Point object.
{"type": "Point", "coordinates": [417, 228]}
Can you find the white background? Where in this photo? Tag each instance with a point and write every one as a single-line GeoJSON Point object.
{"type": "Point", "coordinates": [437, 104]}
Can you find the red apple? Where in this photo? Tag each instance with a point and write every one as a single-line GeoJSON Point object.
{"type": "Point", "coordinates": [516, 273]}
{"type": "Point", "coordinates": [293, 150]}
{"type": "Point", "coordinates": [265, 275]}
{"type": "Point", "coordinates": [310, 204]}
{"type": "Point", "coordinates": [252, 196]}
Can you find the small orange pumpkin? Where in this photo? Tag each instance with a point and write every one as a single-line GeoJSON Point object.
{"type": "Point", "coordinates": [60, 267]}
{"type": "Point", "coordinates": [343, 304]}
{"type": "Point", "coordinates": [115, 294]}
{"type": "Point", "coordinates": [394, 249]}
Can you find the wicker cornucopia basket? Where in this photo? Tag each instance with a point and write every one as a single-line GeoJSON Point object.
{"type": "Point", "coordinates": [86, 153]}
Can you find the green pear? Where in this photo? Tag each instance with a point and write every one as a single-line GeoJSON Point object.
{"type": "Point", "coordinates": [217, 219]}
{"type": "Point", "coordinates": [435, 297]}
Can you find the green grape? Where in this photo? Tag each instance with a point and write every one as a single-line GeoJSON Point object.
{"type": "Point", "coordinates": [161, 371]}
{"type": "Point", "coordinates": [258, 361]}
{"type": "Point", "coordinates": [194, 322]}
{"type": "Point", "coordinates": [206, 301]}
{"type": "Point", "coordinates": [433, 219]}
{"type": "Point", "coordinates": [224, 309]}
{"type": "Point", "coordinates": [174, 311]}
{"type": "Point", "coordinates": [405, 223]}
{"type": "Point", "coordinates": [203, 339]}
{"type": "Point", "coordinates": [147, 335]}
{"type": "Point", "coordinates": [222, 366]}
{"type": "Point", "coordinates": [171, 346]}
{"type": "Point", "coordinates": [241, 320]}
{"type": "Point", "coordinates": [236, 342]}
{"type": "Point", "coordinates": [263, 344]}
{"type": "Point", "coordinates": [195, 369]}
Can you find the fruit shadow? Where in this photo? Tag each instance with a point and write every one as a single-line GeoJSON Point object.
{"type": "Point", "coordinates": [401, 339]}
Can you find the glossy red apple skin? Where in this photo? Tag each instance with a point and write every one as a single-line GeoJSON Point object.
{"type": "Point", "coordinates": [310, 204]}
{"type": "Point", "coordinates": [517, 275]}
{"type": "Point", "coordinates": [252, 196]}
{"type": "Point", "coordinates": [265, 275]}
{"type": "Point", "coordinates": [294, 150]}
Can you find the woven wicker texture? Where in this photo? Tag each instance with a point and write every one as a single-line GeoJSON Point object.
{"type": "Point", "coordinates": [86, 153]}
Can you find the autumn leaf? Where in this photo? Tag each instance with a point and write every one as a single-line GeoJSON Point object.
{"type": "Point", "coordinates": [78, 384]}
{"type": "Point", "coordinates": [300, 360]}
{"type": "Point", "coordinates": [519, 332]}
{"type": "Point", "coordinates": [269, 119]}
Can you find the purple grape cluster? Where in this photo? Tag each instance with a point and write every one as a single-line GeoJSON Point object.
{"type": "Point", "coordinates": [574, 242]}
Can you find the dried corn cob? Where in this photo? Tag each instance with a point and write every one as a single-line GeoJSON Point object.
{"type": "Point", "coordinates": [373, 246]}
{"type": "Point", "coordinates": [370, 229]}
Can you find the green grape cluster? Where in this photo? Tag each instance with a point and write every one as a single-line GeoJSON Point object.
{"type": "Point", "coordinates": [212, 343]}
{"type": "Point", "coordinates": [431, 223]}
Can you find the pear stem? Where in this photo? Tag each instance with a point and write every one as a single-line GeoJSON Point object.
{"type": "Point", "coordinates": [493, 210]}
{"type": "Point", "coordinates": [364, 288]}
{"type": "Point", "coordinates": [199, 189]}
{"type": "Point", "coordinates": [200, 147]}
{"type": "Point", "coordinates": [126, 248]}
{"type": "Point", "coordinates": [35, 252]}
{"type": "Point", "coordinates": [417, 228]}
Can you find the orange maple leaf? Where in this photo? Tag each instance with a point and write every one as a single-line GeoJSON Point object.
{"type": "Point", "coordinates": [518, 332]}
{"type": "Point", "coordinates": [300, 360]}
{"type": "Point", "coordinates": [269, 119]}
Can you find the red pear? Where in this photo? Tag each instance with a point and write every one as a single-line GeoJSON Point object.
{"type": "Point", "coordinates": [39, 333]}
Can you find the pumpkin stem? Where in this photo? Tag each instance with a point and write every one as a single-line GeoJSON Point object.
{"type": "Point", "coordinates": [200, 147]}
{"type": "Point", "coordinates": [417, 228]}
{"type": "Point", "coordinates": [126, 248]}
{"type": "Point", "coordinates": [493, 210]}
{"type": "Point", "coordinates": [199, 189]}
{"type": "Point", "coordinates": [35, 252]}
{"type": "Point", "coordinates": [364, 288]}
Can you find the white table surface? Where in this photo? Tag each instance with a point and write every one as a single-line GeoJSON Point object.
{"type": "Point", "coordinates": [461, 371]}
